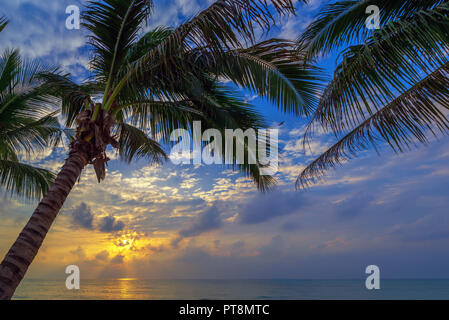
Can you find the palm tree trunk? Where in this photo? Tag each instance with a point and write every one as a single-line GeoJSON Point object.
{"type": "Point", "coordinates": [26, 247]}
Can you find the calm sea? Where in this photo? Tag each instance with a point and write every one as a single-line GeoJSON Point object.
{"type": "Point", "coordinates": [233, 289]}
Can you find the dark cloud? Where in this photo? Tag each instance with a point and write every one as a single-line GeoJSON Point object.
{"type": "Point", "coordinates": [354, 205]}
{"type": "Point", "coordinates": [207, 221]}
{"type": "Point", "coordinates": [102, 256]}
{"type": "Point", "coordinates": [110, 224]}
{"type": "Point", "coordinates": [238, 245]}
{"type": "Point", "coordinates": [290, 226]}
{"type": "Point", "coordinates": [264, 207]}
{"type": "Point", "coordinates": [432, 227]}
{"type": "Point", "coordinates": [82, 217]}
{"type": "Point", "coordinates": [155, 249]}
{"type": "Point", "coordinates": [118, 259]}
{"type": "Point", "coordinates": [79, 252]}
{"type": "Point", "coordinates": [237, 248]}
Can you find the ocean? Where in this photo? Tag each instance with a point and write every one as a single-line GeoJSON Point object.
{"type": "Point", "coordinates": [131, 289]}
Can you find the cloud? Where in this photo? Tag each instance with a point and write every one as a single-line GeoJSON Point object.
{"type": "Point", "coordinates": [264, 207]}
{"type": "Point", "coordinates": [110, 224]}
{"type": "Point", "coordinates": [102, 256]}
{"type": "Point", "coordinates": [431, 227]}
{"type": "Point", "coordinates": [290, 226]}
{"type": "Point", "coordinates": [79, 252]}
{"type": "Point", "coordinates": [118, 259]}
{"type": "Point", "coordinates": [293, 26]}
{"type": "Point", "coordinates": [207, 221]}
{"type": "Point", "coordinates": [188, 7]}
{"type": "Point", "coordinates": [354, 205]}
{"type": "Point", "coordinates": [39, 32]}
{"type": "Point", "coordinates": [82, 217]}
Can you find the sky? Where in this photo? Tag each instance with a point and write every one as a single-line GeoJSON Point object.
{"type": "Point", "coordinates": [209, 222]}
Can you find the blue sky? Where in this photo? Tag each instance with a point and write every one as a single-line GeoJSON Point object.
{"type": "Point", "coordinates": [208, 222]}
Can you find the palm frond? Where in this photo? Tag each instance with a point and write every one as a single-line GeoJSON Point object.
{"type": "Point", "coordinates": [32, 136]}
{"type": "Point", "coordinates": [114, 26]}
{"type": "Point", "coordinates": [217, 107]}
{"type": "Point", "coordinates": [406, 121]}
{"type": "Point", "coordinates": [27, 121]}
{"type": "Point", "coordinates": [217, 28]}
{"type": "Point", "coordinates": [274, 70]}
{"type": "Point", "coordinates": [3, 23]}
{"type": "Point", "coordinates": [73, 95]}
{"type": "Point", "coordinates": [10, 63]}
{"type": "Point", "coordinates": [134, 143]}
{"type": "Point", "coordinates": [25, 180]}
{"type": "Point", "coordinates": [224, 109]}
{"type": "Point", "coordinates": [147, 42]}
{"type": "Point", "coordinates": [159, 116]}
{"type": "Point", "coordinates": [205, 101]}
{"type": "Point", "coordinates": [374, 73]}
{"type": "Point", "coordinates": [343, 22]}
{"type": "Point", "coordinates": [264, 183]}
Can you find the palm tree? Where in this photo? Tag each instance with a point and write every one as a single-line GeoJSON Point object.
{"type": "Point", "coordinates": [392, 85]}
{"type": "Point", "coordinates": [161, 81]}
{"type": "Point", "coordinates": [26, 125]}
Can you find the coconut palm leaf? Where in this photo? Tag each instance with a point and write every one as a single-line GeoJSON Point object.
{"type": "Point", "coordinates": [389, 89]}
{"type": "Point", "coordinates": [27, 125]}
{"type": "Point", "coordinates": [390, 62]}
{"type": "Point", "coordinates": [147, 42]}
{"type": "Point", "coordinates": [32, 136]}
{"type": "Point", "coordinates": [403, 123]}
{"type": "Point", "coordinates": [114, 26]}
{"type": "Point", "coordinates": [217, 108]}
{"type": "Point", "coordinates": [73, 96]}
{"type": "Point", "coordinates": [217, 28]}
{"type": "Point", "coordinates": [135, 143]}
{"type": "Point", "coordinates": [25, 180]}
{"type": "Point", "coordinates": [224, 109]}
{"type": "Point", "coordinates": [28, 121]}
{"type": "Point", "coordinates": [3, 23]}
{"type": "Point", "coordinates": [343, 22]}
{"type": "Point", "coordinates": [272, 69]}
{"type": "Point", "coordinates": [9, 64]}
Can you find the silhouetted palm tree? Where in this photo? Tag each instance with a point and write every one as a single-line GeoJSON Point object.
{"type": "Point", "coordinates": [27, 125]}
{"type": "Point", "coordinates": [392, 84]}
{"type": "Point", "coordinates": [162, 81]}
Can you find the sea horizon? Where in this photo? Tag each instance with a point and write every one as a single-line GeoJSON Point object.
{"type": "Point", "coordinates": [235, 289]}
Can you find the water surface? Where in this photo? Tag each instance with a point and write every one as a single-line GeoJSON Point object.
{"type": "Point", "coordinates": [131, 289]}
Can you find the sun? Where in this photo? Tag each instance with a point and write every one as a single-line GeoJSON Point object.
{"type": "Point", "coordinates": [133, 245]}
{"type": "Point", "coordinates": [126, 244]}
